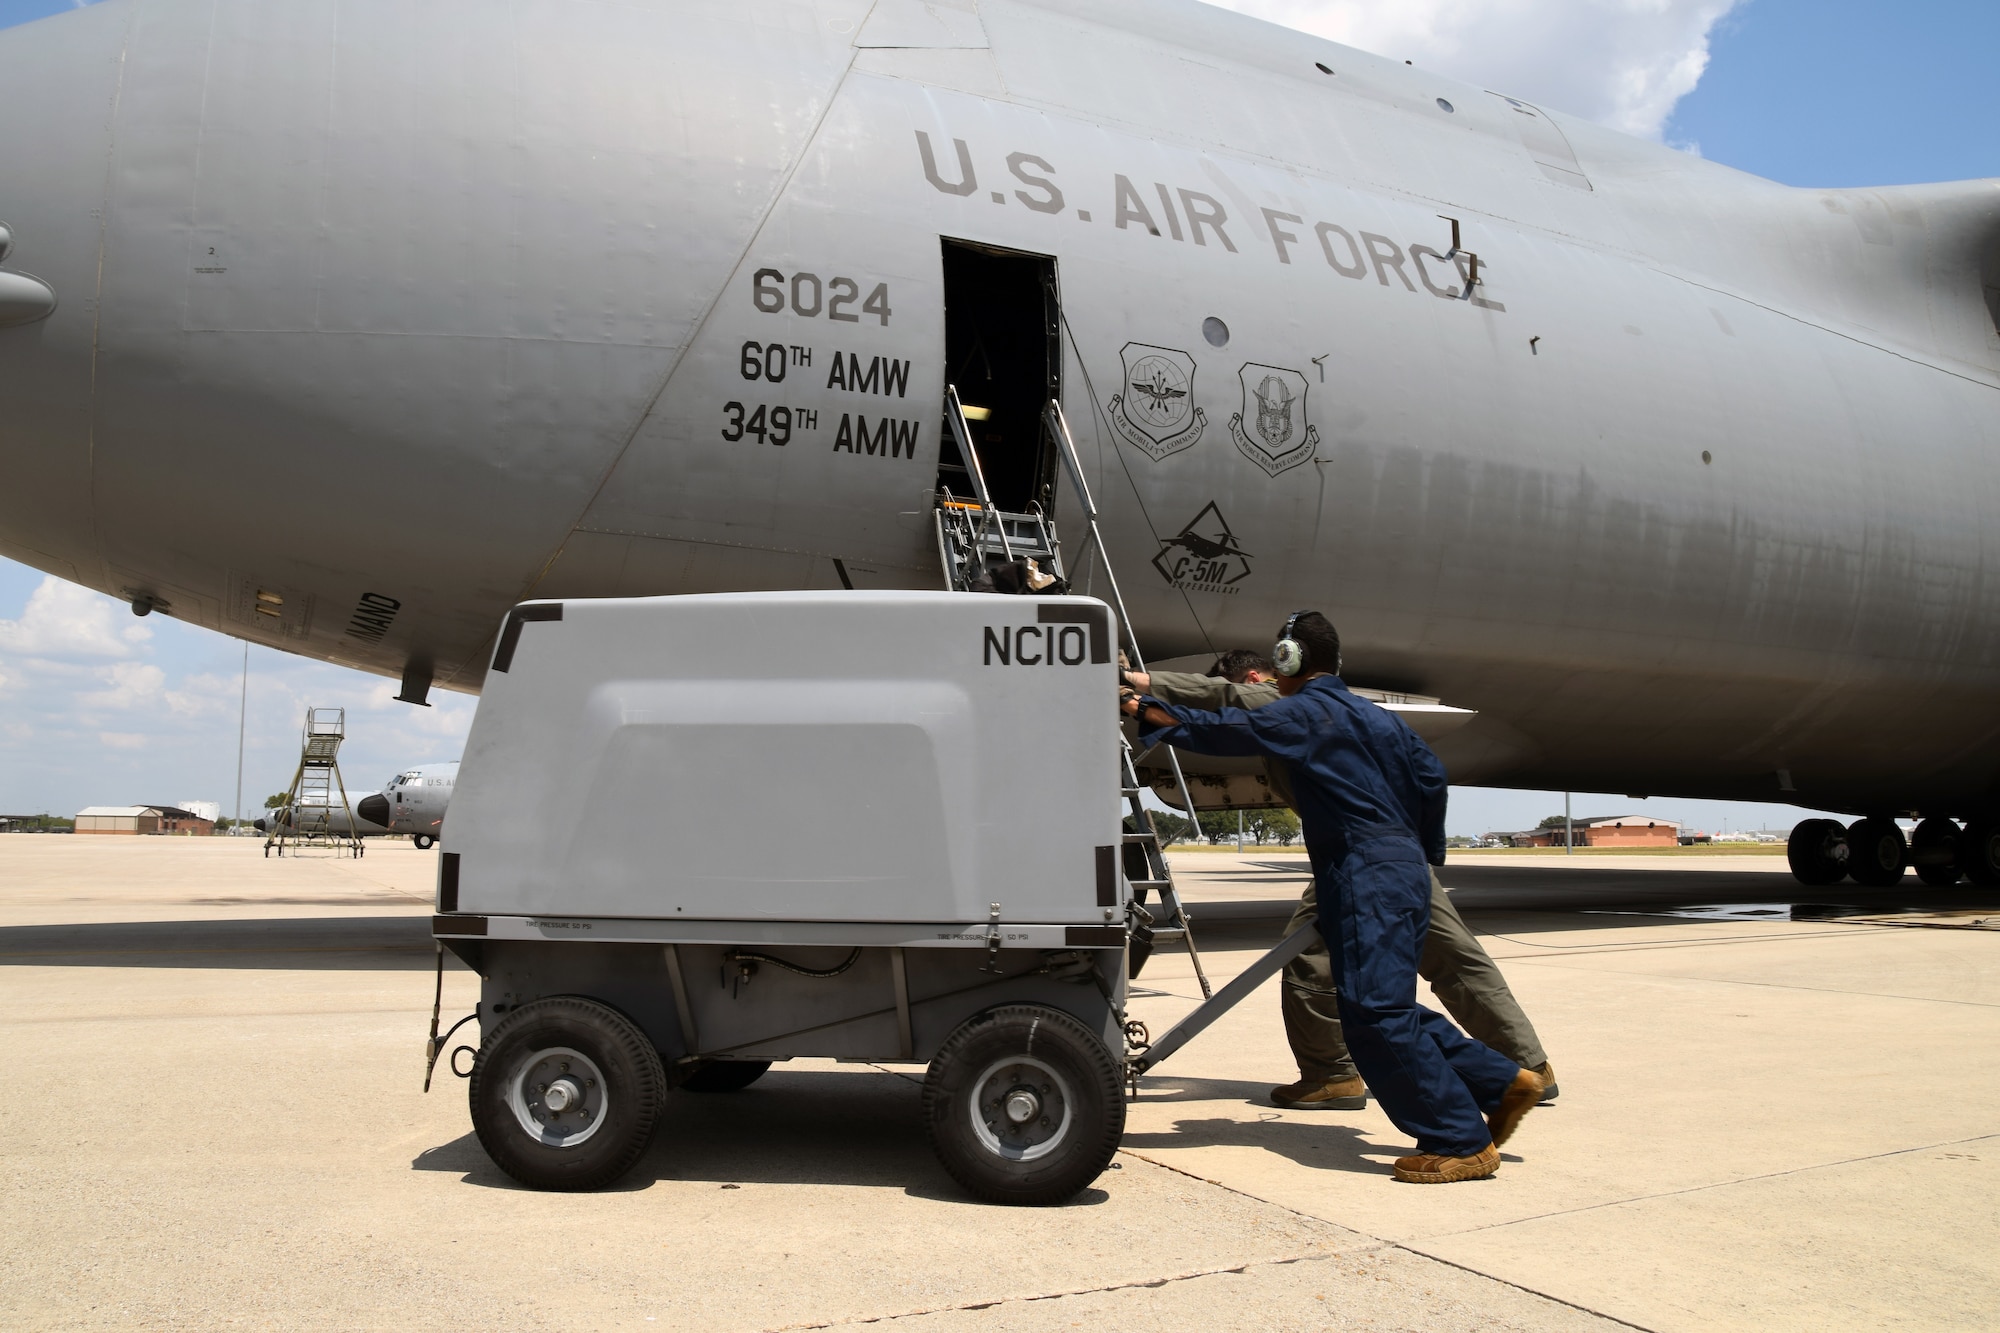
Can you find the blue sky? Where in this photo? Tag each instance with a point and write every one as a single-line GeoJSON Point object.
{"type": "Point", "coordinates": [99, 707]}
{"type": "Point", "coordinates": [1840, 93]}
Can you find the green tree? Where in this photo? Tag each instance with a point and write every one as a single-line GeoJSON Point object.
{"type": "Point", "coordinates": [276, 799]}
{"type": "Point", "coordinates": [1218, 826]}
{"type": "Point", "coordinates": [1553, 821]}
{"type": "Point", "coordinates": [1171, 828]}
{"type": "Point", "coordinates": [1280, 826]}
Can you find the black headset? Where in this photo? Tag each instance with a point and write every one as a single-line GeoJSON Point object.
{"type": "Point", "coordinates": [1289, 656]}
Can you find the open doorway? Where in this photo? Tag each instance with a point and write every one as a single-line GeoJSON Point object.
{"type": "Point", "coordinates": [1003, 350]}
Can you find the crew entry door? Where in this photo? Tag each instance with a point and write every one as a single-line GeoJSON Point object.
{"type": "Point", "coordinates": [1003, 351]}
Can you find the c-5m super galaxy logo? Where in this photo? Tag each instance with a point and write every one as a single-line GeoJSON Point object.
{"type": "Point", "coordinates": [1156, 409]}
{"type": "Point", "coordinates": [1274, 411]}
{"type": "Point", "coordinates": [1203, 556]}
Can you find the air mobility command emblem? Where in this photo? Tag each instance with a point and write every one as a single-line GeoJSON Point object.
{"type": "Point", "coordinates": [1271, 430]}
{"type": "Point", "coordinates": [1156, 408]}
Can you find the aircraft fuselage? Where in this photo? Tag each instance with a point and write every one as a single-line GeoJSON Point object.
{"type": "Point", "coordinates": [377, 319]}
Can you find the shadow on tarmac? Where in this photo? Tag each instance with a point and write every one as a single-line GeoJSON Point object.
{"type": "Point", "coordinates": [1529, 898]}
{"type": "Point", "coordinates": [807, 1127]}
{"type": "Point", "coordinates": [346, 943]}
{"type": "Point", "coordinates": [1529, 888]}
{"type": "Point", "coordinates": [1322, 1145]}
{"type": "Point", "coordinates": [1533, 897]}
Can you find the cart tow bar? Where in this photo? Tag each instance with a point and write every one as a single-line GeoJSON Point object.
{"type": "Point", "coordinates": [1181, 1033]}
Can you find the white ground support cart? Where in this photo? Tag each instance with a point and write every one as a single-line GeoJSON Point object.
{"type": "Point", "coordinates": [696, 835]}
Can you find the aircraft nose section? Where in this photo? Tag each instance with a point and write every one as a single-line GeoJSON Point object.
{"type": "Point", "coordinates": [374, 809]}
{"type": "Point", "coordinates": [61, 80]}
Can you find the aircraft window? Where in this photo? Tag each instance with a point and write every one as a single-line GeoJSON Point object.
{"type": "Point", "coordinates": [1321, 68]}
{"type": "Point", "coordinates": [1215, 331]}
{"type": "Point", "coordinates": [1445, 106]}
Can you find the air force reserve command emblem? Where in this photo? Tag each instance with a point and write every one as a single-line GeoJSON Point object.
{"type": "Point", "coordinates": [1272, 430]}
{"type": "Point", "coordinates": [1155, 410]}
{"type": "Point", "coordinates": [1204, 556]}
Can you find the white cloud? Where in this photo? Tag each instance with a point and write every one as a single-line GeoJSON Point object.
{"type": "Point", "coordinates": [206, 695]}
{"type": "Point", "coordinates": [65, 621]}
{"type": "Point", "coordinates": [1621, 63]}
{"type": "Point", "coordinates": [131, 685]}
{"type": "Point", "coordinates": [96, 709]}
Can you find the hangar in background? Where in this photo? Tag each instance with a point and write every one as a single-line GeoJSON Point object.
{"type": "Point", "coordinates": [1602, 831]}
{"type": "Point", "coordinates": [137, 819]}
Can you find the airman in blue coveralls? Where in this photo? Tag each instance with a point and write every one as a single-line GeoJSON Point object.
{"type": "Point", "coordinates": [1371, 796]}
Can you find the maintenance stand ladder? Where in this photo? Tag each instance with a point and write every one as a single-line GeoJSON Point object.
{"type": "Point", "coordinates": [974, 537]}
{"type": "Point", "coordinates": [306, 818]}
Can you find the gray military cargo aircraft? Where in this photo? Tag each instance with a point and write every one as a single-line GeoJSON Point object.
{"type": "Point", "coordinates": [344, 325]}
{"type": "Point", "coordinates": [413, 802]}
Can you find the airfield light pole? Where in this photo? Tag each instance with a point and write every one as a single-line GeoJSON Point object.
{"type": "Point", "coordinates": [242, 713]}
{"type": "Point", "coordinates": [1239, 833]}
{"type": "Point", "coordinates": [1569, 829]}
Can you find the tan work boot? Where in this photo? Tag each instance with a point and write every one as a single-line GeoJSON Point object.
{"type": "Point", "coordinates": [1519, 1099]}
{"type": "Point", "coordinates": [1322, 1094]}
{"type": "Point", "coordinates": [1431, 1169]}
{"type": "Point", "coordinates": [1549, 1089]}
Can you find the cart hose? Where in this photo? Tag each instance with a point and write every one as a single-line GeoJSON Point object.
{"type": "Point", "coordinates": [745, 956]}
{"type": "Point", "coordinates": [437, 1048]}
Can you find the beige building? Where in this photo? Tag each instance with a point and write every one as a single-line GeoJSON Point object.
{"type": "Point", "coordinates": [138, 819]}
{"type": "Point", "coordinates": [1604, 831]}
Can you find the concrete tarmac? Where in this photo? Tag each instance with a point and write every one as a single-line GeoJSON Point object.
{"type": "Point", "coordinates": [1766, 1121]}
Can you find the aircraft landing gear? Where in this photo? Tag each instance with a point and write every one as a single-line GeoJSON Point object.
{"type": "Point", "coordinates": [1979, 851]}
{"type": "Point", "coordinates": [1935, 851]}
{"type": "Point", "coordinates": [1876, 852]}
{"type": "Point", "coordinates": [424, 842]}
{"type": "Point", "coordinates": [1817, 850]}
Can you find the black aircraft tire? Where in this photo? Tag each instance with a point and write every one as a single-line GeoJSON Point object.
{"type": "Point", "coordinates": [1979, 851]}
{"type": "Point", "coordinates": [1939, 877]}
{"type": "Point", "coordinates": [424, 842]}
{"type": "Point", "coordinates": [1024, 1105]}
{"type": "Point", "coordinates": [1812, 850]}
{"type": "Point", "coordinates": [1876, 853]}
{"type": "Point", "coordinates": [725, 1075]}
{"type": "Point", "coordinates": [1935, 852]}
{"type": "Point", "coordinates": [596, 1053]}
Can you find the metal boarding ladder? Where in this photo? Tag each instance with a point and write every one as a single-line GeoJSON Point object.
{"type": "Point", "coordinates": [1156, 876]}
{"type": "Point", "coordinates": [971, 536]}
{"type": "Point", "coordinates": [309, 805]}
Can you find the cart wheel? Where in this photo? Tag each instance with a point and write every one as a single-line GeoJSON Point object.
{"type": "Point", "coordinates": [565, 1093]}
{"type": "Point", "coordinates": [1024, 1105]}
{"type": "Point", "coordinates": [725, 1075]}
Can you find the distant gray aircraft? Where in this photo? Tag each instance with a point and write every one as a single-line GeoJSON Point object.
{"type": "Point", "coordinates": [344, 328]}
{"type": "Point", "coordinates": [329, 821]}
{"type": "Point", "coordinates": [413, 802]}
